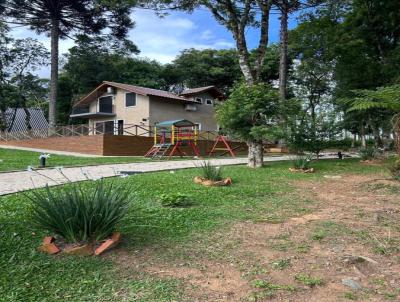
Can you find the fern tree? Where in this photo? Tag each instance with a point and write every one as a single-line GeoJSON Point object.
{"type": "Point", "coordinates": [371, 102]}
{"type": "Point", "coordinates": [60, 19]}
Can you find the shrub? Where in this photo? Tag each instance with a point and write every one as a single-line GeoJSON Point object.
{"type": "Point", "coordinates": [80, 213]}
{"type": "Point", "coordinates": [302, 162]}
{"type": "Point", "coordinates": [395, 170]}
{"type": "Point", "coordinates": [211, 172]}
{"type": "Point", "coordinates": [368, 153]}
{"type": "Point", "coordinates": [174, 200]}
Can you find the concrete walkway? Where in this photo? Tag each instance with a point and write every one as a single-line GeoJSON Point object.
{"type": "Point", "coordinates": [25, 180]}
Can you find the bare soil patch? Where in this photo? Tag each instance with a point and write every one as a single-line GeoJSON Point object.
{"type": "Point", "coordinates": [352, 233]}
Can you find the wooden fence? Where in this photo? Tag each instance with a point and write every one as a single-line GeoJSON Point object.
{"type": "Point", "coordinates": [85, 130]}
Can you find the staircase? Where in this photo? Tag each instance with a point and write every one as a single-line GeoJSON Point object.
{"type": "Point", "coordinates": [158, 151]}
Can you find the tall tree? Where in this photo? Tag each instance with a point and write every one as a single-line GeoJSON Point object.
{"type": "Point", "coordinates": [18, 58]}
{"type": "Point", "coordinates": [237, 16]}
{"type": "Point", "coordinates": [61, 18]}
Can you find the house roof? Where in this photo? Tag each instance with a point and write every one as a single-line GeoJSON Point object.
{"type": "Point", "coordinates": [212, 89]}
{"type": "Point", "coordinates": [131, 88]}
{"type": "Point", "coordinates": [176, 123]}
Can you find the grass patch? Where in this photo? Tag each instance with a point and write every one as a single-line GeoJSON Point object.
{"type": "Point", "coordinates": [28, 275]}
{"type": "Point", "coordinates": [11, 159]}
{"type": "Point", "coordinates": [306, 279]}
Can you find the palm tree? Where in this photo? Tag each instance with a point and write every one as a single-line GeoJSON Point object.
{"type": "Point", "coordinates": [61, 18]}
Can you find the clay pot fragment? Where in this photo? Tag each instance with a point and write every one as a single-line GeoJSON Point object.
{"type": "Point", "coordinates": [310, 170]}
{"type": "Point", "coordinates": [211, 183]}
{"type": "Point", "coordinates": [48, 246]}
{"type": "Point", "coordinates": [108, 244]}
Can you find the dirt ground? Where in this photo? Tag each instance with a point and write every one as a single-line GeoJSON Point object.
{"type": "Point", "coordinates": [351, 236]}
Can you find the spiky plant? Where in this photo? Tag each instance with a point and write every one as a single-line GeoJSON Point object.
{"type": "Point", "coordinates": [211, 172]}
{"type": "Point", "coordinates": [80, 213]}
{"type": "Point", "coordinates": [302, 161]}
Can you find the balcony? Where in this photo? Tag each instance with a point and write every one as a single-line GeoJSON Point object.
{"type": "Point", "coordinates": [105, 110]}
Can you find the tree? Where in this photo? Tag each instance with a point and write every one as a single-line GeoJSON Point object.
{"type": "Point", "coordinates": [18, 87]}
{"type": "Point", "coordinates": [196, 68]}
{"type": "Point", "coordinates": [375, 104]}
{"type": "Point", "coordinates": [251, 113]}
{"type": "Point", "coordinates": [237, 16]}
{"type": "Point", "coordinates": [96, 59]}
{"type": "Point", "coordinates": [61, 18]}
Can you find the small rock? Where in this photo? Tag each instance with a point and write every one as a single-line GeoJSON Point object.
{"type": "Point", "coordinates": [351, 283]}
{"type": "Point", "coordinates": [333, 176]}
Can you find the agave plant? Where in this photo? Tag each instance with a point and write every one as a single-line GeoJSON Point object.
{"type": "Point", "coordinates": [368, 153]}
{"type": "Point", "coordinates": [211, 172]}
{"type": "Point", "coordinates": [80, 213]}
{"type": "Point", "coordinates": [302, 161]}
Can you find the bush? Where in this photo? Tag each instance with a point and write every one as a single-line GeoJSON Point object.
{"type": "Point", "coordinates": [211, 172]}
{"type": "Point", "coordinates": [174, 200]}
{"type": "Point", "coordinates": [395, 170]}
{"type": "Point", "coordinates": [368, 153]}
{"type": "Point", "coordinates": [80, 213]}
{"type": "Point", "coordinates": [302, 162]}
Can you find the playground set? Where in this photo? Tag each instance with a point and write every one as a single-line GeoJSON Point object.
{"type": "Point", "coordinates": [171, 136]}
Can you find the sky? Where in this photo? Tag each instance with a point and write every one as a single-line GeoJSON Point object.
{"type": "Point", "coordinates": [162, 39]}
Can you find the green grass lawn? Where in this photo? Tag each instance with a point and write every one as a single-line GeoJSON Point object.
{"type": "Point", "coordinates": [256, 195]}
{"type": "Point", "coordinates": [11, 159]}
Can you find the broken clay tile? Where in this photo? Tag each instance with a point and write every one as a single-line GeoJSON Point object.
{"type": "Point", "coordinates": [48, 240]}
{"type": "Point", "coordinates": [49, 248]}
{"type": "Point", "coordinates": [106, 245]}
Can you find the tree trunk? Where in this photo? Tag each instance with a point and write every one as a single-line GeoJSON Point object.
{"type": "Point", "coordinates": [256, 154]}
{"type": "Point", "coordinates": [362, 135]}
{"type": "Point", "coordinates": [283, 53]}
{"type": "Point", "coordinates": [55, 35]}
{"type": "Point", "coordinates": [377, 136]}
{"type": "Point", "coordinates": [353, 141]}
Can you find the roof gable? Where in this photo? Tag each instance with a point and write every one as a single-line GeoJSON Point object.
{"type": "Point", "coordinates": [183, 97]}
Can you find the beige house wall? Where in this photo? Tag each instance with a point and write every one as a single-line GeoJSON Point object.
{"type": "Point", "coordinates": [151, 110]}
{"type": "Point", "coordinates": [163, 110]}
{"type": "Point", "coordinates": [130, 115]}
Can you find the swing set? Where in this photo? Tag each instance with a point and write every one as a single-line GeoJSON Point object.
{"type": "Point", "coordinates": [171, 136]}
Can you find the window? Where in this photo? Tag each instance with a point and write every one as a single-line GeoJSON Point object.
{"type": "Point", "coordinates": [198, 126]}
{"type": "Point", "coordinates": [209, 102]}
{"type": "Point", "coordinates": [130, 99]}
{"type": "Point", "coordinates": [106, 104]}
{"type": "Point", "coordinates": [199, 100]}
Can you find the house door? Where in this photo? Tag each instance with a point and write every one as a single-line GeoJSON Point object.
{"type": "Point", "coordinates": [105, 127]}
{"type": "Point", "coordinates": [120, 127]}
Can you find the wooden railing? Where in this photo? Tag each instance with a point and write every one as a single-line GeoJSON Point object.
{"type": "Point", "coordinates": [83, 130]}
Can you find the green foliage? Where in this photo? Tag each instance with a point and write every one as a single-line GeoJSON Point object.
{"type": "Point", "coordinates": [302, 161]}
{"type": "Point", "coordinates": [368, 153]}
{"type": "Point", "coordinates": [79, 213]}
{"type": "Point", "coordinates": [262, 284]}
{"type": "Point", "coordinates": [175, 199]}
{"type": "Point", "coordinates": [281, 264]}
{"type": "Point", "coordinates": [306, 279]}
{"type": "Point", "coordinates": [210, 172]}
{"type": "Point", "coordinates": [395, 170]}
{"type": "Point", "coordinates": [381, 98]}
{"type": "Point", "coordinates": [251, 112]}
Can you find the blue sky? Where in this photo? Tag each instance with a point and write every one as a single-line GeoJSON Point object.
{"type": "Point", "coordinates": [162, 39]}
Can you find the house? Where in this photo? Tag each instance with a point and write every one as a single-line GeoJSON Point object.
{"type": "Point", "coordinates": [23, 119]}
{"type": "Point", "coordinates": [114, 107]}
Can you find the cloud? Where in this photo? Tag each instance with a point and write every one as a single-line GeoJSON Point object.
{"type": "Point", "coordinates": [160, 39]}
